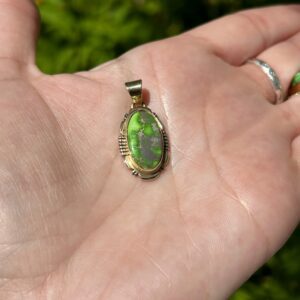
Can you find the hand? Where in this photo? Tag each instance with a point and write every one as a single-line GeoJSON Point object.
{"type": "Point", "coordinates": [75, 224]}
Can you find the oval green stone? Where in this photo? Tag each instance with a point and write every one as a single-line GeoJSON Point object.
{"type": "Point", "coordinates": [296, 79]}
{"type": "Point", "coordinates": [145, 140]}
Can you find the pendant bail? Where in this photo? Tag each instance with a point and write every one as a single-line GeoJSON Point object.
{"type": "Point", "coordinates": [135, 91]}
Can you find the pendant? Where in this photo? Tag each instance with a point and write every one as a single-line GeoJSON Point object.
{"type": "Point", "coordinates": [143, 141]}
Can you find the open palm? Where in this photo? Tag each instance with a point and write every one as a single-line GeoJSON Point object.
{"type": "Point", "coordinates": [76, 225]}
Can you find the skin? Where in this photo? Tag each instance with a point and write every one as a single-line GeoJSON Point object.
{"type": "Point", "coordinates": [75, 224]}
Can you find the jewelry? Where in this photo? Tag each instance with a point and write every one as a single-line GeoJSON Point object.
{"type": "Point", "coordinates": [270, 72]}
{"type": "Point", "coordinates": [295, 85]}
{"type": "Point", "coordinates": [142, 141]}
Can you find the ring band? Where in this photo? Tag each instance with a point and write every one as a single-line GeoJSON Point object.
{"type": "Point", "coordinates": [295, 85]}
{"type": "Point", "coordinates": [272, 75]}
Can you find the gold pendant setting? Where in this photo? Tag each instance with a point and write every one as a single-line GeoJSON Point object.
{"type": "Point", "coordinates": [143, 141]}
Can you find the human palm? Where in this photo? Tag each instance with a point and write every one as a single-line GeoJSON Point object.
{"type": "Point", "coordinates": [76, 225]}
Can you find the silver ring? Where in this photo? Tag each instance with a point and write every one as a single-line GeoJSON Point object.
{"type": "Point", "coordinates": [270, 72]}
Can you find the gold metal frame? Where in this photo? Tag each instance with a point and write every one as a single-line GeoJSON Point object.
{"type": "Point", "coordinates": [135, 91]}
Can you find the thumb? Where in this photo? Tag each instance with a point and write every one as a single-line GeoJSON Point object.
{"type": "Point", "coordinates": [19, 27]}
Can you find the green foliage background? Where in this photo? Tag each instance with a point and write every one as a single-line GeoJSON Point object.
{"type": "Point", "coordinates": [80, 34]}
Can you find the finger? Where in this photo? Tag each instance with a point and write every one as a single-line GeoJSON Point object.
{"type": "Point", "coordinates": [291, 112]}
{"type": "Point", "coordinates": [284, 58]}
{"type": "Point", "coordinates": [292, 107]}
{"type": "Point", "coordinates": [243, 35]}
{"type": "Point", "coordinates": [18, 30]}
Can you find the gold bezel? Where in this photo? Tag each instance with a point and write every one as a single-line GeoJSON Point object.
{"type": "Point", "coordinates": [125, 151]}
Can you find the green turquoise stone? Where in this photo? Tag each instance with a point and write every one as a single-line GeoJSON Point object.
{"type": "Point", "coordinates": [296, 79]}
{"type": "Point", "coordinates": [145, 140]}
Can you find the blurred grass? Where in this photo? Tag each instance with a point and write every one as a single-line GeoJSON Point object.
{"type": "Point", "coordinates": [80, 34]}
